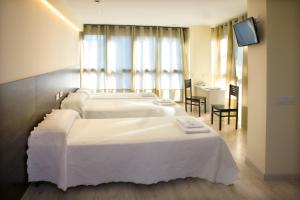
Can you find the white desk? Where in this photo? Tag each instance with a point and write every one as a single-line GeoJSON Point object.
{"type": "Point", "coordinates": [213, 95]}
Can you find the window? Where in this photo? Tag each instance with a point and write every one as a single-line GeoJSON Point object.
{"type": "Point", "coordinates": [119, 63]}
{"type": "Point", "coordinates": [114, 59]}
{"type": "Point", "coordinates": [171, 80]}
{"type": "Point", "coordinates": [145, 76]}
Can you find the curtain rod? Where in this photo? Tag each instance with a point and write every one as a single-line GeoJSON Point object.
{"type": "Point", "coordinates": [123, 25]}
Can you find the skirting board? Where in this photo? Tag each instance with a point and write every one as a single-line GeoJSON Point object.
{"type": "Point", "coordinates": [272, 177]}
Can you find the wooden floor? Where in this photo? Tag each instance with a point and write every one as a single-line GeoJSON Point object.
{"type": "Point", "coordinates": [248, 186]}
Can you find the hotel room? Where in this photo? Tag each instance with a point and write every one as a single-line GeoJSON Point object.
{"type": "Point", "coordinates": [136, 99]}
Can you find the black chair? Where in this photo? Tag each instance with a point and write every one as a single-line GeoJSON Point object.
{"type": "Point", "coordinates": [229, 112]}
{"type": "Point", "coordinates": [193, 100]}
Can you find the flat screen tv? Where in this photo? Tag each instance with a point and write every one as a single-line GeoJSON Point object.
{"type": "Point", "coordinates": [246, 32]}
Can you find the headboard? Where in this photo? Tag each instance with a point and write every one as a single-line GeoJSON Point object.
{"type": "Point", "coordinates": [23, 103]}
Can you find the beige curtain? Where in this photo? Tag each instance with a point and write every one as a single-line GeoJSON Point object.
{"type": "Point", "coordinates": [159, 71]}
{"type": "Point", "coordinates": [218, 34]}
{"type": "Point", "coordinates": [184, 35]}
{"type": "Point", "coordinates": [225, 67]}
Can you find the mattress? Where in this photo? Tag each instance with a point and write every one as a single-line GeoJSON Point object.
{"type": "Point", "coordinates": [129, 95]}
{"type": "Point", "coordinates": [125, 108]}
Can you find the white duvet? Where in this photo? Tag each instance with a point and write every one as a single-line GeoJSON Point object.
{"type": "Point", "coordinates": [129, 95]}
{"type": "Point", "coordinates": [119, 108]}
{"type": "Point", "coordinates": [135, 150]}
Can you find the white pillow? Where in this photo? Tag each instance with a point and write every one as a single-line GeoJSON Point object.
{"type": "Point", "coordinates": [85, 90]}
{"type": "Point", "coordinates": [75, 101]}
{"type": "Point", "coordinates": [58, 121]}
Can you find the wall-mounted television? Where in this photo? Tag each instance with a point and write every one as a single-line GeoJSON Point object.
{"type": "Point", "coordinates": [246, 32]}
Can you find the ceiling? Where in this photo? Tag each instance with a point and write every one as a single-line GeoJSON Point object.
{"type": "Point", "coordinates": [182, 13]}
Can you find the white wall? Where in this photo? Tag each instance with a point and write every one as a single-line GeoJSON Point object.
{"type": "Point", "coordinates": [34, 40]}
{"type": "Point", "coordinates": [257, 90]}
{"type": "Point", "coordinates": [283, 52]}
{"type": "Point", "coordinates": [200, 53]}
{"type": "Point", "coordinates": [273, 139]}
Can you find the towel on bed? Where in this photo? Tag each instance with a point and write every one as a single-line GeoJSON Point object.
{"type": "Point", "coordinates": [191, 125]}
{"type": "Point", "coordinates": [164, 102]}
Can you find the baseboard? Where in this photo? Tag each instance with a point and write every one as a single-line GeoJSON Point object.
{"type": "Point", "coordinates": [272, 177]}
{"type": "Point", "coordinates": [281, 177]}
{"type": "Point", "coordinates": [257, 171]}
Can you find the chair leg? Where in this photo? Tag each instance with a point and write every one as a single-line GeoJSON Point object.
{"type": "Point", "coordinates": [199, 107]}
{"type": "Point", "coordinates": [236, 120]}
{"type": "Point", "coordinates": [205, 105]}
{"type": "Point", "coordinates": [185, 106]}
{"type": "Point", "coordinates": [191, 106]}
{"type": "Point", "coordinates": [220, 121]}
{"type": "Point", "coordinates": [212, 115]}
{"type": "Point", "coordinates": [228, 117]}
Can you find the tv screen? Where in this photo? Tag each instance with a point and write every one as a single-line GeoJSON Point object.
{"type": "Point", "coordinates": [245, 32]}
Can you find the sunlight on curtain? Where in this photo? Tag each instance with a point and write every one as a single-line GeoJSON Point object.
{"type": "Point", "coordinates": [119, 59]}
{"type": "Point", "coordinates": [171, 64]}
{"type": "Point", "coordinates": [145, 59]}
{"type": "Point", "coordinates": [228, 59]}
{"type": "Point", "coordinates": [134, 58]}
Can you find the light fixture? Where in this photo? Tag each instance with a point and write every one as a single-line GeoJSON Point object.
{"type": "Point", "coordinates": [97, 1]}
{"type": "Point", "coordinates": [54, 10]}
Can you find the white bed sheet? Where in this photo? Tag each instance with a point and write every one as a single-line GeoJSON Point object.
{"type": "Point", "coordinates": [126, 108]}
{"type": "Point", "coordinates": [128, 95]}
{"type": "Point", "coordinates": [135, 150]}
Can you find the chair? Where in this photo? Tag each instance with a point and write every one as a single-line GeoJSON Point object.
{"type": "Point", "coordinates": [220, 109]}
{"type": "Point", "coordinates": [193, 100]}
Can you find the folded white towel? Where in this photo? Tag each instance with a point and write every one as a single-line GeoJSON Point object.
{"type": "Point", "coordinates": [164, 103]}
{"type": "Point", "coordinates": [193, 130]}
{"type": "Point", "coordinates": [148, 94]}
{"type": "Point", "coordinates": [189, 122]}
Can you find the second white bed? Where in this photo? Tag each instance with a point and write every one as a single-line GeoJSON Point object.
{"type": "Point", "coordinates": [119, 108]}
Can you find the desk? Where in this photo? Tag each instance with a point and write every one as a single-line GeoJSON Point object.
{"type": "Point", "coordinates": [213, 95]}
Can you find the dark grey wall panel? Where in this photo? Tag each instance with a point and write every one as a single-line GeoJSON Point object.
{"type": "Point", "coordinates": [23, 104]}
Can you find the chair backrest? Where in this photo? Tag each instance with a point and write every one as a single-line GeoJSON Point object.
{"type": "Point", "coordinates": [187, 85]}
{"type": "Point", "coordinates": [234, 91]}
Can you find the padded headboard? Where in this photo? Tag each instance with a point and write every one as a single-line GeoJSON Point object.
{"type": "Point", "coordinates": [23, 104]}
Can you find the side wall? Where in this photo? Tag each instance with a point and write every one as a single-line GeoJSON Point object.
{"type": "Point", "coordinates": [39, 57]}
{"type": "Point", "coordinates": [283, 108]}
{"type": "Point", "coordinates": [257, 89]}
{"type": "Point", "coordinates": [273, 139]}
{"type": "Point", "coordinates": [34, 40]}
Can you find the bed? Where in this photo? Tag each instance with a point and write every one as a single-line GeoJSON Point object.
{"type": "Point", "coordinates": [128, 95]}
{"type": "Point", "coordinates": [99, 108]}
{"type": "Point", "coordinates": [69, 151]}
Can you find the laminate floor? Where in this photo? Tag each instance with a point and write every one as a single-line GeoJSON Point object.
{"type": "Point", "coordinates": [248, 186]}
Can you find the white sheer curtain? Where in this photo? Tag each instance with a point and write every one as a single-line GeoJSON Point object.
{"type": "Point", "coordinates": [134, 58]}
{"type": "Point", "coordinates": [145, 46]}
{"type": "Point", "coordinates": [171, 63]}
{"type": "Point", "coordinates": [119, 62]}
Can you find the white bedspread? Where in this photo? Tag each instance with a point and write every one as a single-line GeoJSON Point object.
{"type": "Point", "coordinates": [129, 95]}
{"type": "Point", "coordinates": [138, 150]}
{"type": "Point", "coordinates": [135, 150]}
{"type": "Point", "coordinates": [123, 108]}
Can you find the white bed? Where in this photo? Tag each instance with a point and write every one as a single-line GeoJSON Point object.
{"type": "Point", "coordinates": [128, 95]}
{"type": "Point", "coordinates": [138, 150]}
{"type": "Point", "coordinates": [99, 108]}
